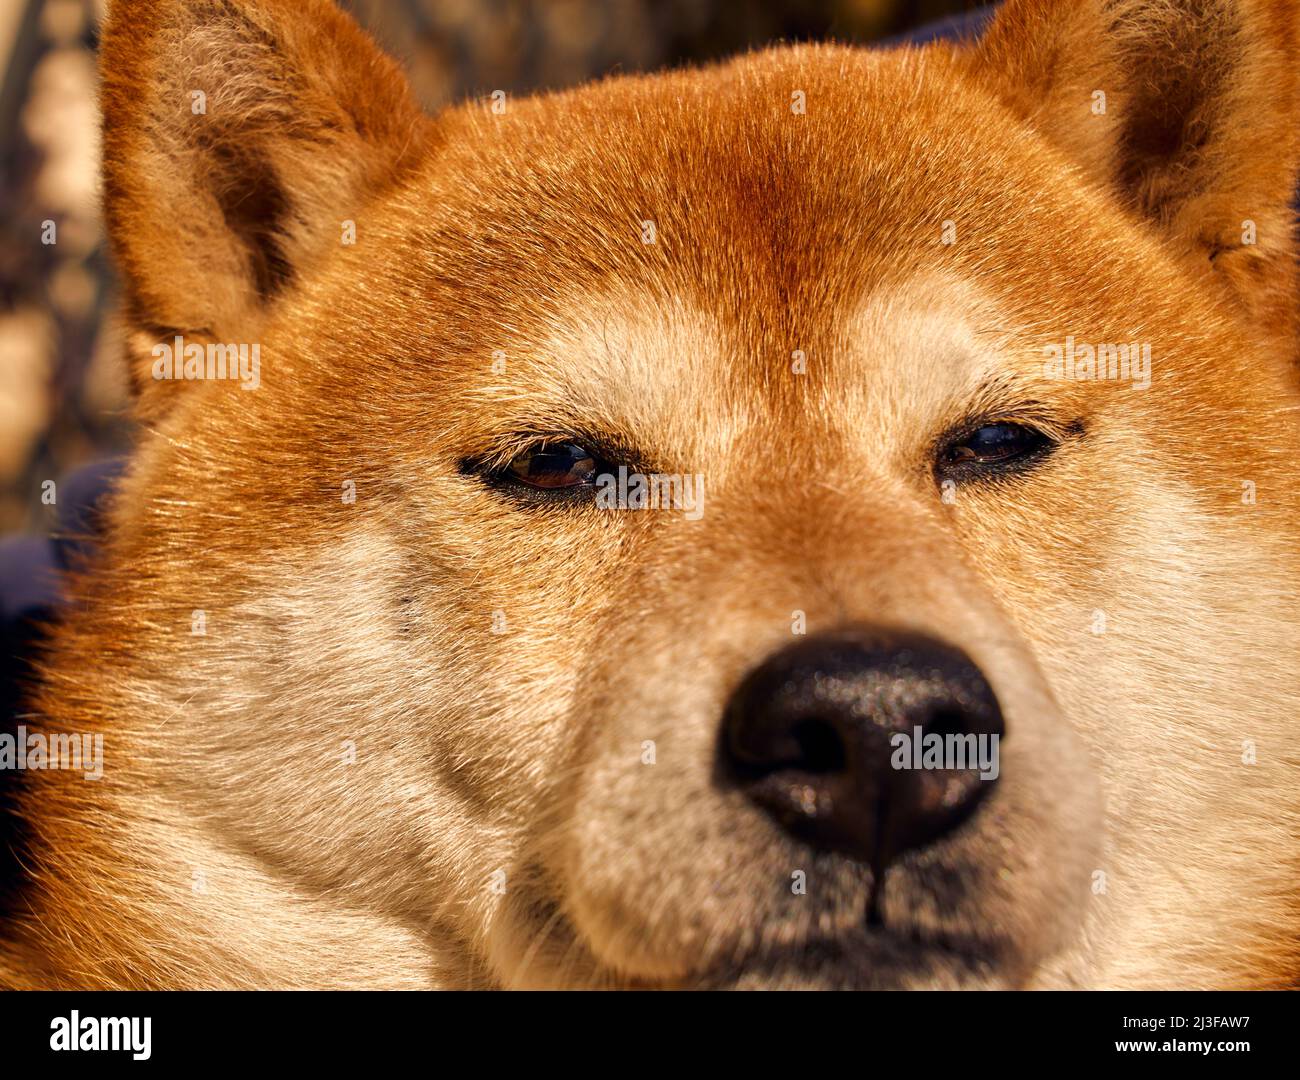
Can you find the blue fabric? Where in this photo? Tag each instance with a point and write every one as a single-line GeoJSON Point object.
{"type": "Point", "coordinates": [31, 577]}
{"type": "Point", "coordinates": [949, 29]}
{"type": "Point", "coordinates": [31, 591]}
{"type": "Point", "coordinates": [31, 566]}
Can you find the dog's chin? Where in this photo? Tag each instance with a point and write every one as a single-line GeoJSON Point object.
{"type": "Point", "coordinates": [871, 960]}
{"type": "Point", "coordinates": [900, 949]}
{"type": "Point", "coordinates": [866, 958]}
{"type": "Point", "coordinates": [938, 922]}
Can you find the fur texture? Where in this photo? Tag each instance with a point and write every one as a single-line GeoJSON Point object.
{"type": "Point", "coordinates": [351, 780]}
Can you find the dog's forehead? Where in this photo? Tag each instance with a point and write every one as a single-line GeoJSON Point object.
{"type": "Point", "coordinates": [786, 183]}
{"type": "Point", "coordinates": [803, 227]}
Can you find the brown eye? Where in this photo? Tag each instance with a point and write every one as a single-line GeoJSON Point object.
{"type": "Point", "coordinates": [994, 445]}
{"type": "Point", "coordinates": [553, 467]}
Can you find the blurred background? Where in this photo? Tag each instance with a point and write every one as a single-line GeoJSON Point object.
{"type": "Point", "coordinates": [63, 398]}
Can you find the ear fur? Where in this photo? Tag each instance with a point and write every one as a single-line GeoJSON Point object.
{"type": "Point", "coordinates": [1189, 110]}
{"type": "Point", "coordinates": [239, 135]}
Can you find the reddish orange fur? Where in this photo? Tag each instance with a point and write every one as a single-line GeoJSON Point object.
{"type": "Point", "coordinates": [775, 232]}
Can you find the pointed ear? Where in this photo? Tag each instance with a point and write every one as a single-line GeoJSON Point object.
{"type": "Point", "coordinates": [1188, 109]}
{"type": "Point", "coordinates": [239, 135]}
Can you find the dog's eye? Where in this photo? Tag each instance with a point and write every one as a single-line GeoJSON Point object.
{"type": "Point", "coordinates": [552, 467]}
{"type": "Point", "coordinates": [994, 445]}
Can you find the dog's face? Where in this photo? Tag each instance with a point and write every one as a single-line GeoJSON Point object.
{"type": "Point", "coordinates": [582, 744]}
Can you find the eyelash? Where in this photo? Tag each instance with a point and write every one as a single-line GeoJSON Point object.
{"type": "Point", "coordinates": [498, 457]}
{"type": "Point", "coordinates": [492, 467]}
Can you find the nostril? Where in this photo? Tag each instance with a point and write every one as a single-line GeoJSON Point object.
{"type": "Point", "coordinates": [944, 722]}
{"type": "Point", "coordinates": [821, 748]}
{"type": "Point", "coordinates": [812, 746]}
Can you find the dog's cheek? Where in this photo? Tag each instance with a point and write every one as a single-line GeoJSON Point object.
{"type": "Point", "coordinates": [1140, 635]}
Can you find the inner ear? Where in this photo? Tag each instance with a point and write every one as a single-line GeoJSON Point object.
{"type": "Point", "coordinates": [1173, 105]}
{"type": "Point", "coordinates": [256, 208]}
{"type": "Point", "coordinates": [1199, 132]}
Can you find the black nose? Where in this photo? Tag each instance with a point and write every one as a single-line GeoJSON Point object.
{"type": "Point", "coordinates": [811, 735]}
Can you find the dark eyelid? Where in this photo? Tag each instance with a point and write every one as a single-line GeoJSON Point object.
{"type": "Point", "coordinates": [522, 494]}
{"type": "Point", "coordinates": [608, 450]}
{"type": "Point", "coordinates": [1052, 431]}
{"type": "Point", "coordinates": [1055, 428]}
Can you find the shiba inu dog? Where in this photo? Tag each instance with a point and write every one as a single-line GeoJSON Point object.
{"type": "Point", "coordinates": [975, 668]}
